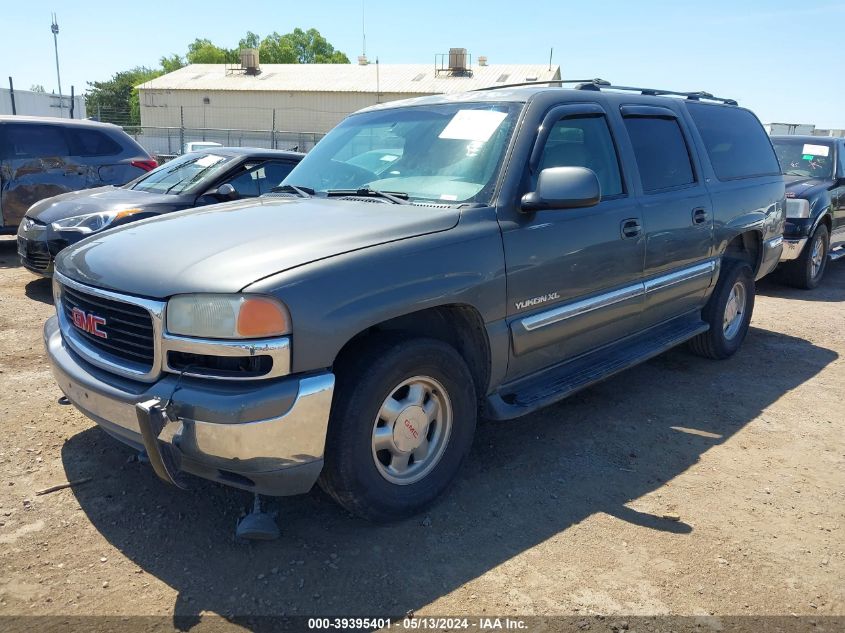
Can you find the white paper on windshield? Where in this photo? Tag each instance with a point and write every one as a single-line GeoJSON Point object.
{"type": "Point", "coordinates": [208, 160]}
{"type": "Point", "coordinates": [389, 158]}
{"type": "Point", "coordinates": [816, 150]}
{"type": "Point", "coordinates": [473, 125]}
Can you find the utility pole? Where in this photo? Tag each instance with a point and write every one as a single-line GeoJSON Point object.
{"type": "Point", "coordinates": [55, 29]}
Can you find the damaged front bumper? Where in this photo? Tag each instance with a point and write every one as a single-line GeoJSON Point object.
{"type": "Point", "coordinates": [265, 436]}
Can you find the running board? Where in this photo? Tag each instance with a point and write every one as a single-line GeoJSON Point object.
{"type": "Point", "coordinates": [539, 390]}
{"type": "Point", "coordinates": [839, 253]}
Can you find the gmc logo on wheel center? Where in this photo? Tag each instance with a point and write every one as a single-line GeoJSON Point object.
{"type": "Point", "coordinates": [88, 322]}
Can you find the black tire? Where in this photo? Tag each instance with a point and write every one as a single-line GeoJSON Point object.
{"type": "Point", "coordinates": [714, 343]}
{"type": "Point", "coordinates": [365, 379]}
{"type": "Point", "coordinates": [799, 272]}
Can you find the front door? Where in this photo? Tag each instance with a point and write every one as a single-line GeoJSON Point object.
{"type": "Point", "coordinates": [574, 275]}
{"type": "Point", "coordinates": [677, 214]}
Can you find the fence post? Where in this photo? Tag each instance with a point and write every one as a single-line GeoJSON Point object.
{"type": "Point", "coordinates": [273, 131]}
{"type": "Point", "coordinates": [181, 128]}
{"type": "Point", "coordinates": [12, 95]}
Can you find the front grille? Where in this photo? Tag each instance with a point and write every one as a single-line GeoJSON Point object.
{"type": "Point", "coordinates": [128, 327]}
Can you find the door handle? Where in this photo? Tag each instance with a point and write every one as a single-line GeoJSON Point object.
{"type": "Point", "coordinates": [631, 228]}
{"type": "Point", "coordinates": [700, 215]}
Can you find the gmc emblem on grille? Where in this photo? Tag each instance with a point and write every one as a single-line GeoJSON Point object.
{"type": "Point", "coordinates": [88, 322]}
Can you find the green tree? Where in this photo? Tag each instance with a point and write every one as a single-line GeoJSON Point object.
{"type": "Point", "coordinates": [116, 100]}
{"type": "Point", "coordinates": [276, 49]}
{"type": "Point", "coordinates": [171, 63]}
{"type": "Point", "coordinates": [250, 40]}
{"type": "Point", "coordinates": [309, 47]}
{"type": "Point", "coordinates": [203, 51]}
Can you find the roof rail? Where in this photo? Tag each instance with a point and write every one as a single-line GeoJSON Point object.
{"type": "Point", "coordinates": [692, 96]}
{"type": "Point", "coordinates": [596, 82]}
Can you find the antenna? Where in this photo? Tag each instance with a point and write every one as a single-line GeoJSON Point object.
{"type": "Point", "coordinates": [54, 27]}
{"type": "Point", "coordinates": [363, 31]}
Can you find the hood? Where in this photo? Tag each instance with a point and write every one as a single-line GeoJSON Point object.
{"type": "Point", "coordinates": [225, 247]}
{"type": "Point", "coordinates": [804, 187]}
{"type": "Point", "coordinates": [67, 205]}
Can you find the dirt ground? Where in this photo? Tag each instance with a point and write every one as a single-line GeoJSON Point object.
{"type": "Point", "coordinates": [561, 512]}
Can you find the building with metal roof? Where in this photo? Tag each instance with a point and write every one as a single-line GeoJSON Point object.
{"type": "Point", "coordinates": [308, 98]}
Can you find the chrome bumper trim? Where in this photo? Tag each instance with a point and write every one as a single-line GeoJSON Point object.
{"type": "Point", "coordinates": [792, 249]}
{"type": "Point", "coordinates": [278, 349]}
{"type": "Point", "coordinates": [265, 447]}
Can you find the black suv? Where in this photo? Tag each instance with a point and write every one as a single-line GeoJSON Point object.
{"type": "Point", "coordinates": [814, 170]}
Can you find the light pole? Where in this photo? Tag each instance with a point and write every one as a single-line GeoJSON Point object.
{"type": "Point", "coordinates": [55, 28]}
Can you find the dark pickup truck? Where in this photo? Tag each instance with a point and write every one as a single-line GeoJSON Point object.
{"type": "Point", "coordinates": [814, 233]}
{"type": "Point", "coordinates": [430, 260]}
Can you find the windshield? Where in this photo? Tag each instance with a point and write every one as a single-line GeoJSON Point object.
{"type": "Point", "coordinates": [800, 158]}
{"type": "Point", "coordinates": [445, 153]}
{"type": "Point", "coordinates": [180, 174]}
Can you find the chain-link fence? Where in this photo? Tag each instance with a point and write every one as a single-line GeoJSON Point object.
{"type": "Point", "coordinates": [166, 142]}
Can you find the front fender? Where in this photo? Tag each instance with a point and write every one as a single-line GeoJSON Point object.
{"type": "Point", "coordinates": [334, 299]}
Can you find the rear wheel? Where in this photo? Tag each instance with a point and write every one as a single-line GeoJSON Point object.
{"type": "Point", "coordinates": [402, 423]}
{"type": "Point", "coordinates": [808, 269]}
{"type": "Point", "coordinates": [728, 312]}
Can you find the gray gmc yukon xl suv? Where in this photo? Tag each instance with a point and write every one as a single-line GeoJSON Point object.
{"type": "Point", "coordinates": [429, 261]}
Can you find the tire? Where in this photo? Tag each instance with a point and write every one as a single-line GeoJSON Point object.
{"type": "Point", "coordinates": [725, 337]}
{"type": "Point", "coordinates": [807, 270]}
{"type": "Point", "coordinates": [365, 447]}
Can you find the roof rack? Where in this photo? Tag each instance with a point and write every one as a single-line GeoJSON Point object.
{"type": "Point", "coordinates": [655, 92]}
{"type": "Point", "coordinates": [596, 82]}
{"type": "Point", "coordinates": [601, 84]}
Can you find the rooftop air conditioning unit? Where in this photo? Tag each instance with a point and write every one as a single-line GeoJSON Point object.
{"type": "Point", "coordinates": [457, 59]}
{"type": "Point", "coordinates": [249, 61]}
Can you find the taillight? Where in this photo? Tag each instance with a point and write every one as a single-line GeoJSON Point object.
{"type": "Point", "coordinates": [146, 165]}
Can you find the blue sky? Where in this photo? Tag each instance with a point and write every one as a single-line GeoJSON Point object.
{"type": "Point", "coordinates": [782, 59]}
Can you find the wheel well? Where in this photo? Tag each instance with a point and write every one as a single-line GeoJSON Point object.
{"type": "Point", "coordinates": [827, 221]}
{"type": "Point", "coordinates": [460, 326]}
{"type": "Point", "coordinates": [745, 247]}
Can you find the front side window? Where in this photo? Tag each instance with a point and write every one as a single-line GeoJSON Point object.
{"type": "Point", "coordinates": [735, 141]}
{"type": "Point", "coordinates": [662, 155]}
{"type": "Point", "coordinates": [182, 174]}
{"type": "Point", "coordinates": [447, 153]}
{"type": "Point", "coordinates": [34, 141]}
{"type": "Point", "coordinates": [256, 180]}
{"type": "Point", "coordinates": [813, 159]}
{"type": "Point", "coordinates": [584, 142]}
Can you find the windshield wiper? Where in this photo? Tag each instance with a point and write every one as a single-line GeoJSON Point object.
{"type": "Point", "coordinates": [302, 192]}
{"type": "Point", "coordinates": [396, 197]}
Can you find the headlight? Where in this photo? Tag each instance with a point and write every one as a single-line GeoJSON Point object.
{"type": "Point", "coordinates": [92, 222]}
{"type": "Point", "coordinates": [797, 208]}
{"type": "Point", "coordinates": [227, 316]}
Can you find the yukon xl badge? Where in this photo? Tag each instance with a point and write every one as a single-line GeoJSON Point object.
{"type": "Point", "coordinates": [88, 322]}
{"type": "Point", "coordinates": [528, 303]}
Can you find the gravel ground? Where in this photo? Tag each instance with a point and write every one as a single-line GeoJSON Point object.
{"type": "Point", "coordinates": [683, 486]}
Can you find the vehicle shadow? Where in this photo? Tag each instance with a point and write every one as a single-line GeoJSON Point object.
{"type": "Point", "coordinates": [525, 482]}
{"type": "Point", "coordinates": [9, 252]}
{"type": "Point", "coordinates": [40, 289]}
{"type": "Point", "coordinates": [831, 288]}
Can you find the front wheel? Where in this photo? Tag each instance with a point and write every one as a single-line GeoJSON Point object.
{"type": "Point", "coordinates": [728, 312]}
{"type": "Point", "coordinates": [402, 423]}
{"type": "Point", "coordinates": [807, 270]}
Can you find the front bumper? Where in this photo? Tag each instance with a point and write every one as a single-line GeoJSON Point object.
{"type": "Point", "coordinates": [263, 436]}
{"type": "Point", "coordinates": [792, 248]}
{"type": "Point", "coordinates": [772, 252]}
{"type": "Point", "coordinates": [38, 246]}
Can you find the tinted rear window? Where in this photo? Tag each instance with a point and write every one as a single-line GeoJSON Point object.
{"type": "Point", "coordinates": [737, 144]}
{"type": "Point", "coordinates": [661, 151]}
{"type": "Point", "coordinates": [92, 143]}
{"type": "Point", "coordinates": [33, 141]}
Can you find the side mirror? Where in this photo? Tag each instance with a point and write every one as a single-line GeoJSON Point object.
{"type": "Point", "coordinates": [225, 192]}
{"type": "Point", "coordinates": [563, 188]}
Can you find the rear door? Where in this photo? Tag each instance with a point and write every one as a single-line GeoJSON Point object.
{"type": "Point", "coordinates": [574, 275]}
{"type": "Point", "coordinates": [36, 165]}
{"type": "Point", "coordinates": [677, 214]}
